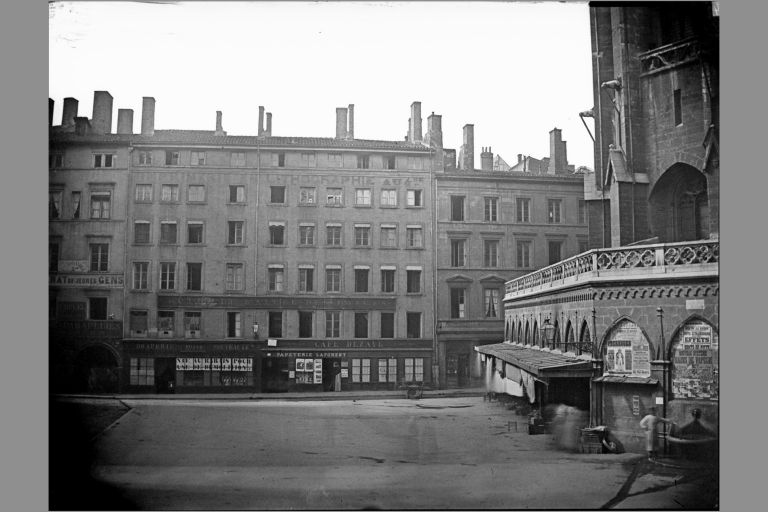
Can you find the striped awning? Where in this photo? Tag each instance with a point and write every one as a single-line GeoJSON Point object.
{"type": "Point", "coordinates": [536, 361]}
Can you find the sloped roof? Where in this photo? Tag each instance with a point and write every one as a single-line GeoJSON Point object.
{"type": "Point", "coordinates": [533, 360]}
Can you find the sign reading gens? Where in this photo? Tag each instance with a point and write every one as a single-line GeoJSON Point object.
{"type": "Point", "coordinates": [89, 280]}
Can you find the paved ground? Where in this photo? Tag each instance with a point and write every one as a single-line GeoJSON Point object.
{"type": "Point", "coordinates": [434, 453]}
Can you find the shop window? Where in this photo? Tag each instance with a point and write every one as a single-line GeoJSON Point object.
{"type": "Point", "coordinates": [413, 369]}
{"type": "Point", "coordinates": [99, 257]}
{"type": "Point", "coordinates": [233, 324]}
{"type": "Point", "coordinates": [141, 232]}
{"type": "Point", "coordinates": [413, 281]}
{"type": "Point", "coordinates": [306, 279]}
{"type": "Point", "coordinates": [235, 232]}
{"type": "Point", "coordinates": [194, 277]}
{"type": "Point", "coordinates": [54, 204]}
{"type": "Point", "coordinates": [361, 280]}
{"type": "Point", "coordinates": [458, 302]}
{"type": "Point", "coordinates": [277, 194]}
{"type": "Point", "coordinates": [387, 281]}
{"type": "Point", "coordinates": [171, 158]}
{"type": "Point", "coordinates": [457, 208]}
{"type": "Point", "coordinates": [142, 371]}
{"type": "Point", "coordinates": [169, 193]}
{"type": "Point", "coordinates": [387, 325]}
{"type": "Point", "coordinates": [168, 232]}
{"type": "Point", "coordinates": [277, 234]}
{"type": "Point", "coordinates": [166, 323]}
{"type": "Point", "coordinates": [523, 209]}
{"type": "Point", "coordinates": [235, 277]}
{"type": "Point", "coordinates": [275, 324]}
{"type": "Point", "coordinates": [141, 275]}
{"type": "Point", "coordinates": [305, 324]}
{"type": "Point", "coordinates": [413, 198]}
{"type": "Point", "coordinates": [194, 232]}
{"type": "Point", "coordinates": [143, 193]}
{"type": "Point", "coordinates": [458, 253]}
{"type": "Point", "coordinates": [101, 202]}
{"type": "Point", "coordinates": [361, 325]}
{"type": "Point", "coordinates": [236, 193]}
{"type": "Point", "coordinates": [139, 323]}
{"type": "Point", "coordinates": [168, 276]}
{"type": "Point", "coordinates": [192, 321]}
{"type": "Point", "coordinates": [491, 302]}
{"type": "Point", "coordinates": [413, 324]}
{"type": "Point", "coordinates": [333, 236]}
{"type": "Point", "coordinates": [332, 324]}
{"type": "Point", "coordinates": [275, 276]}
{"type": "Point", "coordinates": [491, 209]}
{"type": "Point", "coordinates": [361, 370]}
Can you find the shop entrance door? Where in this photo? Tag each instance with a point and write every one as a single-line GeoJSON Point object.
{"type": "Point", "coordinates": [462, 370]}
{"type": "Point", "coordinates": [331, 374]}
{"type": "Point", "coordinates": [165, 375]}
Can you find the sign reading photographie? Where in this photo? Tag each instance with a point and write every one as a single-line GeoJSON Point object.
{"type": "Point", "coordinates": [627, 352]}
{"type": "Point", "coordinates": [695, 362]}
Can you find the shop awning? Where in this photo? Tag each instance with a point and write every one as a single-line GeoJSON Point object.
{"type": "Point", "coordinates": [621, 379]}
{"type": "Point", "coordinates": [538, 362]}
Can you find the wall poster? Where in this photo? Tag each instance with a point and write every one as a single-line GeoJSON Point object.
{"type": "Point", "coordinates": [695, 362]}
{"type": "Point", "coordinates": [627, 352]}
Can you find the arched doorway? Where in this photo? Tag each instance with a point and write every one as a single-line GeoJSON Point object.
{"type": "Point", "coordinates": [97, 370]}
{"type": "Point", "coordinates": [679, 205]}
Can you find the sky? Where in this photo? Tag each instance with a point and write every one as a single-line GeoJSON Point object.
{"type": "Point", "coordinates": [515, 70]}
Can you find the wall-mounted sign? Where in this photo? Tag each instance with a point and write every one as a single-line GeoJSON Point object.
{"type": "Point", "coordinates": [318, 371]}
{"type": "Point", "coordinates": [86, 280]}
{"type": "Point", "coordinates": [234, 364]}
{"type": "Point", "coordinates": [627, 352]}
{"type": "Point", "coordinates": [345, 373]}
{"type": "Point", "coordinates": [70, 310]}
{"type": "Point", "coordinates": [636, 405]}
{"type": "Point", "coordinates": [695, 362]}
{"type": "Point", "coordinates": [73, 266]}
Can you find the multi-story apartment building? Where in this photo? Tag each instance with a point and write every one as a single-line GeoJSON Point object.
{"type": "Point", "coordinates": [493, 226]}
{"type": "Point", "coordinates": [633, 323]}
{"type": "Point", "coordinates": [244, 263]}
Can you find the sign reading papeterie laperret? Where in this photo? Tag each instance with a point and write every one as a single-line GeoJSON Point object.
{"type": "Point", "coordinates": [87, 280]}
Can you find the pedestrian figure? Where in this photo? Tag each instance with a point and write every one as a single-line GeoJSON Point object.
{"type": "Point", "coordinates": [651, 425]}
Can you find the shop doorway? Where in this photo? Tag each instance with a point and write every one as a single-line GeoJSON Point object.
{"type": "Point", "coordinates": [96, 370]}
{"type": "Point", "coordinates": [275, 374]}
{"type": "Point", "coordinates": [165, 375]}
{"type": "Point", "coordinates": [457, 371]}
{"type": "Point", "coordinates": [331, 374]}
{"type": "Point", "coordinates": [569, 391]}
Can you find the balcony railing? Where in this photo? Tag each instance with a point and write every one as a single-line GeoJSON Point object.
{"type": "Point", "coordinates": [670, 55]}
{"type": "Point", "coordinates": [601, 262]}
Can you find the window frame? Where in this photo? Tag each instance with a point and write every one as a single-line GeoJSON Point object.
{"type": "Point", "coordinates": [523, 210]}
{"type": "Point", "coordinates": [190, 281]}
{"type": "Point", "coordinates": [527, 253]}
{"type": "Point", "coordinates": [167, 275]}
{"type": "Point", "coordinates": [306, 282]}
{"type": "Point", "coordinates": [491, 209]}
{"type": "Point", "coordinates": [173, 189]}
{"type": "Point", "coordinates": [199, 224]}
{"type": "Point", "coordinates": [411, 199]}
{"type": "Point", "coordinates": [337, 196]}
{"type": "Point", "coordinates": [199, 161]}
{"type": "Point", "coordinates": [164, 232]}
{"type": "Point", "coordinates": [363, 198]}
{"type": "Point", "coordinates": [491, 253]}
{"type": "Point", "coordinates": [232, 232]}
{"type": "Point", "coordinates": [140, 193]}
{"type": "Point", "coordinates": [457, 212]}
{"type": "Point", "coordinates": [333, 324]}
{"type": "Point", "coordinates": [94, 313]}
{"type": "Point", "coordinates": [196, 187]}
{"type": "Point", "coordinates": [306, 234]}
{"type": "Point", "coordinates": [409, 281]}
{"type": "Point", "coordinates": [388, 198]}
{"type": "Point", "coordinates": [274, 230]}
{"type": "Point", "coordinates": [103, 206]}
{"type": "Point", "coordinates": [387, 328]}
{"type": "Point", "coordinates": [358, 272]}
{"type": "Point", "coordinates": [234, 281]}
{"type": "Point", "coordinates": [143, 275]}
{"type": "Point", "coordinates": [104, 160]}
{"type": "Point", "coordinates": [273, 190]}
{"type": "Point", "coordinates": [100, 258]}
{"type": "Point", "coordinates": [458, 302]}
{"type": "Point", "coordinates": [307, 196]}
{"type": "Point", "coordinates": [237, 189]}
{"type": "Point", "coordinates": [136, 232]}
{"type": "Point", "coordinates": [172, 158]}
{"type": "Point", "coordinates": [458, 252]}
{"type": "Point", "coordinates": [362, 321]}
{"type": "Point", "coordinates": [306, 321]}
{"type": "Point", "coordinates": [364, 229]}
{"type": "Point", "coordinates": [233, 324]}
{"type": "Point", "coordinates": [555, 212]}
{"type": "Point", "coordinates": [388, 277]}
{"type": "Point", "coordinates": [329, 271]}
{"type": "Point", "coordinates": [409, 325]}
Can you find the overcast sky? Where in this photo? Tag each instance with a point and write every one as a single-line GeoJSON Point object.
{"type": "Point", "coordinates": [513, 69]}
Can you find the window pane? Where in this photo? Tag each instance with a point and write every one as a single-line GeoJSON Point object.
{"type": "Point", "coordinates": [387, 325]}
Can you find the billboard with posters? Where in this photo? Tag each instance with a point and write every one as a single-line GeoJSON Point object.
{"type": "Point", "coordinates": [627, 352]}
{"type": "Point", "coordinates": [695, 362]}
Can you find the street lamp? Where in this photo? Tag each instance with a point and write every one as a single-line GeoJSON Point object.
{"type": "Point", "coordinates": [255, 330]}
{"type": "Point", "coordinates": [547, 332]}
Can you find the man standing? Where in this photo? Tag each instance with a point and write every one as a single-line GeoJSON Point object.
{"type": "Point", "coordinates": [651, 425]}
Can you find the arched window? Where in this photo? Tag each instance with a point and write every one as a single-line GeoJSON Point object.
{"type": "Point", "coordinates": [627, 351]}
{"type": "Point", "coordinates": [512, 332]}
{"type": "Point", "coordinates": [535, 334]}
{"type": "Point", "coordinates": [569, 339]}
{"type": "Point", "coordinates": [695, 362]}
{"type": "Point", "coordinates": [585, 339]}
{"type": "Point", "coordinates": [527, 334]}
{"type": "Point", "coordinates": [557, 341]}
{"type": "Point", "coordinates": [520, 338]}
{"type": "Point", "coordinates": [507, 331]}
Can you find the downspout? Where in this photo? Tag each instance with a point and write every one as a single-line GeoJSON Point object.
{"type": "Point", "coordinates": [127, 272]}
{"type": "Point", "coordinates": [433, 239]}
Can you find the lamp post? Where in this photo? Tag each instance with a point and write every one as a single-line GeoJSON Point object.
{"type": "Point", "coordinates": [663, 359]}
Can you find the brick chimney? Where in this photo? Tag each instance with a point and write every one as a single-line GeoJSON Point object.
{"type": "Point", "coordinates": [125, 121]}
{"type": "Point", "coordinates": [351, 122]}
{"type": "Point", "coordinates": [219, 129]}
{"type": "Point", "coordinates": [148, 116]}
{"type": "Point", "coordinates": [82, 126]}
{"type": "Point", "coordinates": [558, 158]}
{"type": "Point", "coordinates": [341, 123]}
{"type": "Point", "coordinates": [434, 131]}
{"type": "Point", "coordinates": [69, 112]}
{"type": "Point", "coordinates": [261, 121]}
{"type": "Point", "coordinates": [486, 159]}
{"type": "Point", "coordinates": [101, 121]}
{"type": "Point", "coordinates": [468, 148]}
{"type": "Point", "coordinates": [268, 131]}
{"type": "Point", "coordinates": [414, 128]}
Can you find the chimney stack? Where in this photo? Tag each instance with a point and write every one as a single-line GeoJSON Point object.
{"type": "Point", "coordinates": [148, 116]}
{"type": "Point", "coordinates": [82, 126]}
{"type": "Point", "coordinates": [125, 121]}
{"type": "Point", "coordinates": [261, 121]}
{"type": "Point", "coordinates": [50, 112]}
{"type": "Point", "coordinates": [341, 123]}
{"type": "Point", "coordinates": [519, 157]}
{"type": "Point", "coordinates": [558, 159]}
{"type": "Point", "coordinates": [486, 159]}
{"type": "Point", "coordinates": [414, 128]}
{"type": "Point", "coordinates": [351, 122]}
{"type": "Point", "coordinates": [468, 148]}
{"type": "Point", "coordinates": [435, 131]}
{"type": "Point", "coordinates": [219, 129]}
{"type": "Point", "coordinates": [268, 131]}
{"type": "Point", "coordinates": [69, 112]}
{"type": "Point", "coordinates": [101, 121]}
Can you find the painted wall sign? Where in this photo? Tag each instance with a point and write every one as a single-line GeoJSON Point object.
{"type": "Point", "coordinates": [330, 355]}
{"type": "Point", "coordinates": [627, 352]}
{"type": "Point", "coordinates": [318, 371]}
{"type": "Point", "coordinates": [694, 304]}
{"type": "Point", "coordinates": [73, 266]}
{"type": "Point", "coordinates": [70, 310]}
{"type": "Point", "coordinates": [86, 280]}
{"type": "Point", "coordinates": [202, 348]}
{"type": "Point", "coordinates": [233, 364]}
{"type": "Point", "coordinates": [87, 329]}
{"type": "Point", "coordinates": [695, 362]}
{"type": "Point", "coordinates": [340, 303]}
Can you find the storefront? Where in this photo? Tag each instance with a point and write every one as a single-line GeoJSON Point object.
{"type": "Point", "coordinates": [184, 367]}
{"type": "Point", "coordinates": [326, 366]}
